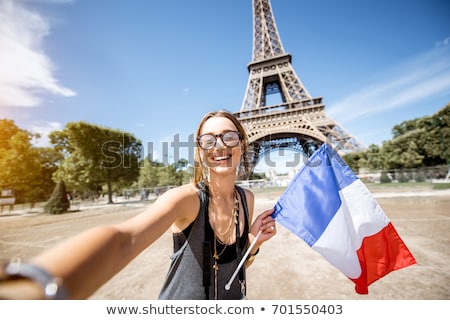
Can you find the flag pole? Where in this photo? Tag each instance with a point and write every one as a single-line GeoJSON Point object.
{"type": "Point", "coordinates": [244, 258]}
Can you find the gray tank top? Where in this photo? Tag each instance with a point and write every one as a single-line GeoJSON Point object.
{"type": "Point", "coordinates": [191, 276]}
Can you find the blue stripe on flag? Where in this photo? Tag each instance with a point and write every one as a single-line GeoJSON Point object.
{"type": "Point", "coordinates": [343, 174]}
{"type": "Point", "coordinates": [312, 198]}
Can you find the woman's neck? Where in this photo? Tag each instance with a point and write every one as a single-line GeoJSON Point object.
{"type": "Point", "coordinates": [222, 187]}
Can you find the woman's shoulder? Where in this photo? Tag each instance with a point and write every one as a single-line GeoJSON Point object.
{"type": "Point", "coordinates": [248, 194]}
{"type": "Point", "coordinates": [183, 192]}
{"type": "Point", "coordinates": [184, 200]}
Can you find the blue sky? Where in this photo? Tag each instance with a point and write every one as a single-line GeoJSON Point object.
{"type": "Point", "coordinates": [153, 68]}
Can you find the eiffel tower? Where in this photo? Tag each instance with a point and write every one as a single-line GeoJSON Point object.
{"type": "Point", "coordinates": [299, 123]}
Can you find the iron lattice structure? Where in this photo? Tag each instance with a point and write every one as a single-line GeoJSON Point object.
{"type": "Point", "coordinates": [299, 122]}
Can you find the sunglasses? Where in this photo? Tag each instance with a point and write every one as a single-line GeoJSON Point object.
{"type": "Point", "coordinates": [229, 139]}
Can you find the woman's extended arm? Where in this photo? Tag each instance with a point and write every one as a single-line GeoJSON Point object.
{"type": "Point", "coordinates": [86, 261]}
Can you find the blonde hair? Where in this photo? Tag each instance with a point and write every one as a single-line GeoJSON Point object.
{"type": "Point", "coordinates": [199, 169]}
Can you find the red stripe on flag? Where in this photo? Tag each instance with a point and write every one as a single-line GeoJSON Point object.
{"type": "Point", "coordinates": [380, 254]}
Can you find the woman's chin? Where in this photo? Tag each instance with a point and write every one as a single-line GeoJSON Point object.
{"type": "Point", "coordinates": [223, 169]}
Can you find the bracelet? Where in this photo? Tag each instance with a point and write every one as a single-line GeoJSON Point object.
{"type": "Point", "coordinates": [251, 256]}
{"type": "Point", "coordinates": [53, 289]}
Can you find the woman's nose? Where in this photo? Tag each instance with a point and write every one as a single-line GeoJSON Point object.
{"type": "Point", "coordinates": [219, 144]}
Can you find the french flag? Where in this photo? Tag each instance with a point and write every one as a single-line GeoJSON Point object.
{"type": "Point", "coordinates": [330, 209]}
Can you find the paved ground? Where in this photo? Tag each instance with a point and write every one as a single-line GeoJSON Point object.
{"type": "Point", "coordinates": [285, 269]}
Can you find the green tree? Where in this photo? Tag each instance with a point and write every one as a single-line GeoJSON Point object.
{"type": "Point", "coordinates": [406, 127]}
{"type": "Point", "coordinates": [96, 156]}
{"type": "Point", "coordinates": [257, 176]}
{"type": "Point", "coordinates": [174, 174]}
{"type": "Point", "coordinates": [374, 157]}
{"type": "Point", "coordinates": [181, 174]}
{"type": "Point", "coordinates": [25, 168]}
{"type": "Point", "coordinates": [384, 178]}
{"type": "Point", "coordinates": [416, 143]}
{"type": "Point", "coordinates": [49, 160]}
{"type": "Point", "coordinates": [437, 147]}
{"type": "Point", "coordinates": [411, 158]}
{"type": "Point", "coordinates": [58, 202]}
{"type": "Point", "coordinates": [354, 160]}
{"type": "Point", "coordinates": [419, 142]}
{"type": "Point", "coordinates": [148, 174]}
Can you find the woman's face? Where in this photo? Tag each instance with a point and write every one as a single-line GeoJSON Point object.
{"type": "Point", "coordinates": [220, 158]}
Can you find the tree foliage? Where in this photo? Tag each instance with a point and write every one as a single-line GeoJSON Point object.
{"type": "Point", "coordinates": [156, 174]}
{"type": "Point", "coordinates": [421, 142]}
{"type": "Point", "coordinates": [95, 156]}
{"type": "Point", "coordinates": [59, 201]}
{"type": "Point", "coordinates": [148, 175]}
{"type": "Point", "coordinates": [25, 168]}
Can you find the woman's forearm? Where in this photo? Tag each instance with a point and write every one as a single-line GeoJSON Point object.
{"type": "Point", "coordinates": [88, 260]}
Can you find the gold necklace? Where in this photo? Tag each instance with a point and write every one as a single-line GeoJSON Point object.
{"type": "Point", "coordinates": [227, 235]}
{"type": "Point", "coordinates": [216, 256]}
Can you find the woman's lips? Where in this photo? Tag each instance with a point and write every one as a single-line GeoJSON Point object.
{"type": "Point", "coordinates": [221, 158]}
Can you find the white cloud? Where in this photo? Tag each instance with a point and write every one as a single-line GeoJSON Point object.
{"type": "Point", "coordinates": [425, 76]}
{"type": "Point", "coordinates": [44, 129]}
{"type": "Point", "coordinates": [26, 72]}
{"type": "Point", "coordinates": [444, 42]}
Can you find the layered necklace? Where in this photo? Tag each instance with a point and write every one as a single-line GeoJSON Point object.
{"type": "Point", "coordinates": [224, 238]}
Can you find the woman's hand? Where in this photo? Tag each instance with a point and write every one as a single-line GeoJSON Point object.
{"type": "Point", "coordinates": [266, 224]}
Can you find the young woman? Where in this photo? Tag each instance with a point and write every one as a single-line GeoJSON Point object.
{"type": "Point", "coordinates": [210, 220]}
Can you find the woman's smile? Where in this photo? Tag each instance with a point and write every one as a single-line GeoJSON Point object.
{"type": "Point", "coordinates": [221, 159]}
